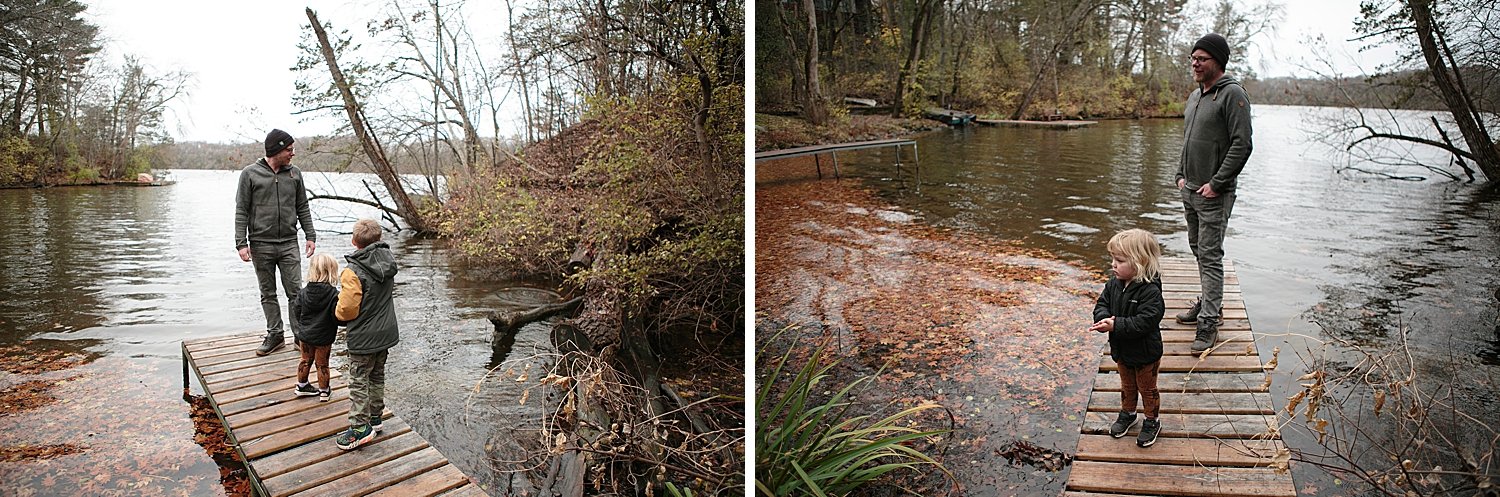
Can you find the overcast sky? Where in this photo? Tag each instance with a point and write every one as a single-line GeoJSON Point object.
{"type": "Point", "coordinates": [1291, 53]}
{"type": "Point", "coordinates": [240, 53]}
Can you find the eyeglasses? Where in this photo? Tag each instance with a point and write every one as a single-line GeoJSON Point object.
{"type": "Point", "coordinates": [1199, 59]}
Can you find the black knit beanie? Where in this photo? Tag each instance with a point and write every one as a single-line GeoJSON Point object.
{"type": "Point", "coordinates": [276, 141]}
{"type": "Point", "coordinates": [1216, 46]}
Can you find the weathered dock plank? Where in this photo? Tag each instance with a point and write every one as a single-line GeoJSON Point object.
{"type": "Point", "coordinates": [1180, 451]}
{"type": "Point", "coordinates": [1188, 382]}
{"type": "Point", "coordinates": [1163, 479]}
{"type": "Point", "coordinates": [287, 441]}
{"type": "Point", "coordinates": [1217, 416]}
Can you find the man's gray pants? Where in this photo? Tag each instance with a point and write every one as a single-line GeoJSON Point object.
{"type": "Point", "coordinates": [366, 387]}
{"type": "Point", "coordinates": [268, 259]}
{"type": "Point", "coordinates": [1207, 219]}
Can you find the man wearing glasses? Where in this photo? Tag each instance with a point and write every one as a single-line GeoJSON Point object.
{"type": "Point", "coordinates": [1216, 144]}
{"type": "Point", "coordinates": [269, 204]}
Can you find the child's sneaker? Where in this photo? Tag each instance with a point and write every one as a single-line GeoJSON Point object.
{"type": "Point", "coordinates": [323, 395]}
{"type": "Point", "coordinates": [1122, 424]}
{"type": "Point", "coordinates": [305, 390]}
{"type": "Point", "coordinates": [375, 424]}
{"type": "Point", "coordinates": [1149, 430]}
{"type": "Point", "coordinates": [354, 437]}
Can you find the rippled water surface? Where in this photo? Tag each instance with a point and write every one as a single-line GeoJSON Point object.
{"type": "Point", "coordinates": [1319, 253]}
{"type": "Point", "coordinates": [125, 274]}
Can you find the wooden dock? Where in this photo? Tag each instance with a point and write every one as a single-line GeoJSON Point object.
{"type": "Point", "coordinates": [1058, 124]}
{"type": "Point", "coordinates": [287, 441]}
{"type": "Point", "coordinates": [1215, 412]}
{"type": "Point", "coordinates": [833, 150]}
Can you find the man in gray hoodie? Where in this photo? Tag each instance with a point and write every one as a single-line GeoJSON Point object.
{"type": "Point", "coordinates": [269, 204]}
{"type": "Point", "coordinates": [1216, 145]}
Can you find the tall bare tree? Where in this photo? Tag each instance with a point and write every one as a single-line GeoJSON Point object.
{"type": "Point", "coordinates": [812, 97]}
{"type": "Point", "coordinates": [1425, 32]}
{"type": "Point", "coordinates": [368, 141]}
{"type": "Point", "coordinates": [446, 71]}
{"type": "Point", "coordinates": [916, 47]}
{"type": "Point", "coordinates": [1449, 82]}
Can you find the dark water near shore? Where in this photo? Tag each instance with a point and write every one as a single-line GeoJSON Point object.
{"type": "Point", "coordinates": [1319, 253]}
{"type": "Point", "coordinates": [125, 274]}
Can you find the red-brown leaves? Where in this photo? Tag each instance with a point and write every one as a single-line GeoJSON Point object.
{"type": "Point", "coordinates": [994, 332]}
{"type": "Point", "coordinates": [35, 452]}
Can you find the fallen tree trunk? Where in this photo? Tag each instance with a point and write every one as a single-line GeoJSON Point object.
{"type": "Point", "coordinates": [509, 323]}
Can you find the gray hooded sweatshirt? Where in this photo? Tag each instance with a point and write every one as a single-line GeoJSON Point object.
{"type": "Point", "coordinates": [268, 206]}
{"type": "Point", "coordinates": [1216, 136]}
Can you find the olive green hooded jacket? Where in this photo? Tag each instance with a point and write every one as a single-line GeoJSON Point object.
{"type": "Point", "coordinates": [268, 206]}
{"type": "Point", "coordinates": [1216, 136]}
{"type": "Point", "coordinates": [366, 288]}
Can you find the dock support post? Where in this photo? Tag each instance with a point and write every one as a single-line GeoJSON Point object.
{"type": "Point", "coordinates": [818, 162]}
{"type": "Point", "coordinates": [836, 164]}
{"type": "Point", "coordinates": [898, 161]}
{"type": "Point", "coordinates": [185, 384]}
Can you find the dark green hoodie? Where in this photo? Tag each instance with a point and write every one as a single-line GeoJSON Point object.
{"type": "Point", "coordinates": [365, 299]}
{"type": "Point", "coordinates": [268, 206]}
{"type": "Point", "coordinates": [1216, 136]}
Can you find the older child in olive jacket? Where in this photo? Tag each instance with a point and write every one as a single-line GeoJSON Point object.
{"type": "Point", "coordinates": [1130, 309]}
{"type": "Point", "coordinates": [365, 301]}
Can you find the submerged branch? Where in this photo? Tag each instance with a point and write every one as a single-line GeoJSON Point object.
{"type": "Point", "coordinates": [507, 323]}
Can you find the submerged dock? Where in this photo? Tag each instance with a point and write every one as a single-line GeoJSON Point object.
{"type": "Point", "coordinates": [286, 441]}
{"type": "Point", "coordinates": [833, 150]}
{"type": "Point", "coordinates": [1059, 124]}
{"type": "Point", "coordinates": [1216, 413]}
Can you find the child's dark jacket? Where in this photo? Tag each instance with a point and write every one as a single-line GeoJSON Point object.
{"type": "Point", "coordinates": [1138, 309]}
{"type": "Point", "coordinates": [315, 304]}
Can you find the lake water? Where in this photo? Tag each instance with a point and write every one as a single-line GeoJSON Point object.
{"type": "Point", "coordinates": [124, 274]}
{"type": "Point", "coordinates": [1320, 253]}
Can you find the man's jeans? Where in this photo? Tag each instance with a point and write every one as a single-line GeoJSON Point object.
{"type": "Point", "coordinates": [268, 258]}
{"type": "Point", "coordinates": [1207, 219]}
{"type": "Point", "coordinates": [366, 387]}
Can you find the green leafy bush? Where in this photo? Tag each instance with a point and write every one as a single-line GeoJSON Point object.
{"type": "Point", "coordinates": [19, 161]}
{"type": "Point", "coordinates": [83, 175]}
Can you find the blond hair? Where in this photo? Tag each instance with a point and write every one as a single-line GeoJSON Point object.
{"type": "Point", "coordinates": [322, 268]}
{"type": "Point", "coordinates": [1141, 249]}
{"type": "Point", "coordinates": [366, 232]}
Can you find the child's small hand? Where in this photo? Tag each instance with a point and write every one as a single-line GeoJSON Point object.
{"type": "Point", "coordinates": [1104, 325]}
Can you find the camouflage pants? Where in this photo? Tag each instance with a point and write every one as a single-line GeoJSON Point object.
{"type": "Point", "coordinates": [366, 387]}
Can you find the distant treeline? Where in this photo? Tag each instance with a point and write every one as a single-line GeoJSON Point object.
{"type": "Point", "coordinates": [1403, 90]}
{"type": "Point", "coordinates": [314, 153]}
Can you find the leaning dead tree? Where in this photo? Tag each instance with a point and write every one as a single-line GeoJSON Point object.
{"type": "Point", "coordinates": [368, 141]}
{"type": "Point", "coordinates": [1452, 41]}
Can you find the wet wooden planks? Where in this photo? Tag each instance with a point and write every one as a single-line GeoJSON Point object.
{"type": "Point", "coordinates": [1217, 417]}
{"type": "Point", "coordinates": [287, 440]}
